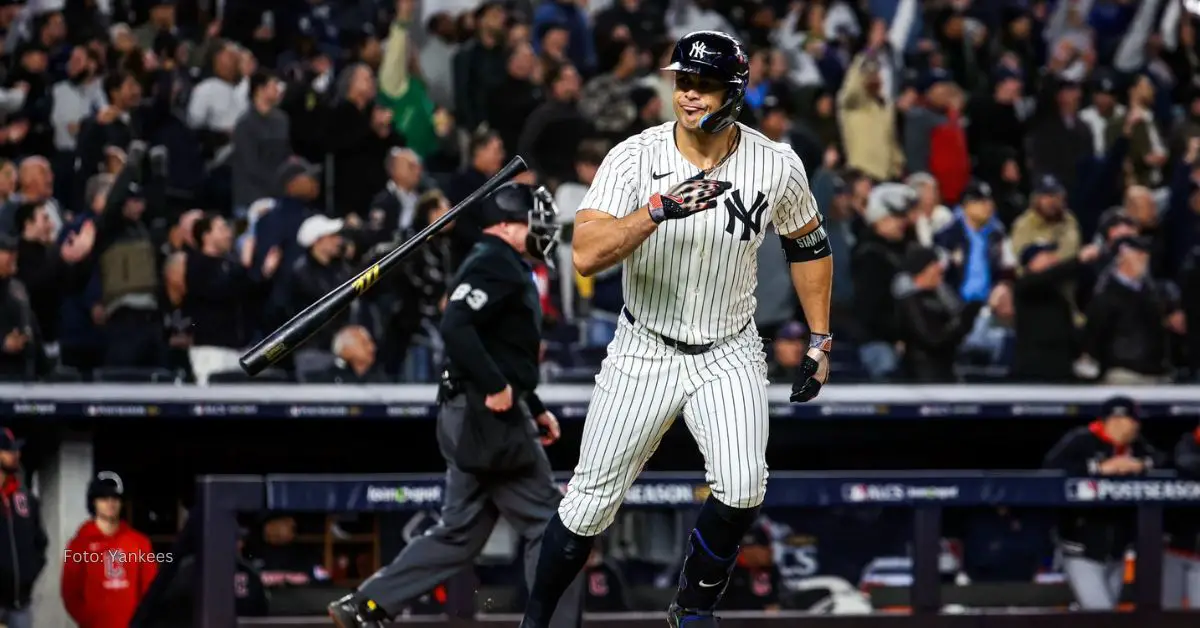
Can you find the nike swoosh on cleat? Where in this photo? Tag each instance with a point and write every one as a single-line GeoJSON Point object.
{"type": "Point", "coordinates": [709, 585]}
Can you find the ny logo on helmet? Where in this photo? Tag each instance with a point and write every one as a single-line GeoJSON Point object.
{"type": "Point", "coordinates": [699, 50]}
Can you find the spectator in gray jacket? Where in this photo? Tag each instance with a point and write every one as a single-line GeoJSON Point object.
{"type": "Point", "coordinates": [260, 143]}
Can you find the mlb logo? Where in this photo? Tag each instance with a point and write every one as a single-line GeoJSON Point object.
{"type": "Point", "coordinates": [1083, 490]}
{"type": "Point", "coordinates": [856, 493]}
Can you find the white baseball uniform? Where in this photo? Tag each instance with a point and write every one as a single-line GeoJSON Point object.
{"type": "Point", "coordinates": [691, 281]}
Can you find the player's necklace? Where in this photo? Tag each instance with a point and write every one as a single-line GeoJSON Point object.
{"type": "Point", "coordinates": [734, 138]}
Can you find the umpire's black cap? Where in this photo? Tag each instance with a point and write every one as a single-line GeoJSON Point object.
{"type": "Point", "coordinates": [510, 202]}
{"type": "Point", "coordinates": [1120, 406]}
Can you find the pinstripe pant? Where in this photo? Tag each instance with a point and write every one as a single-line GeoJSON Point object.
{"type": "Point", "coordinates": [642, 386]}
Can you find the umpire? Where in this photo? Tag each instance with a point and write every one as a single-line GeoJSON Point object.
{"type": "Point", "coordinates": [1092, 542]}
{"type": "Point", "coordinates": [489, 415]}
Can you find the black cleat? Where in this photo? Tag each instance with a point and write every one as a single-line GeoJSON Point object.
{"type": "Point", "coordinates": [347, 612]}
{"type": "Point", "coordinates": [678, 617]}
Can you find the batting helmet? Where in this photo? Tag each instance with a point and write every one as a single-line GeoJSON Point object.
{"type": "Point", "coordinates": [105, 484]}
{"type": "Point", "coordinates": [534, 206]}
{"type": "Point", "coordinates": [718, 56]}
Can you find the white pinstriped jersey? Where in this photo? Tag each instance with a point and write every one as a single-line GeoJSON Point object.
{"type": "Point", "coordinates": [693, 279]}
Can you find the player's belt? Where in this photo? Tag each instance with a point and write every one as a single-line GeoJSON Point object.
{"type": "Point", "coordinates": [678, 345]}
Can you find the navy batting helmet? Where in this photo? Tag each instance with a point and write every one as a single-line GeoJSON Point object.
{"type": "Point", "coordinates": [534, 206]}
{"type": "Point", "coordinates": [718, 56]}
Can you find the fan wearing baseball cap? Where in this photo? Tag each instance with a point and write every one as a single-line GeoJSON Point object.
{"type": "Point", "coordinates": [22, 559]}
{"type": "Point", "coordinates": [322, 269]}
{"type": "Point", "coordinates": [1129, 319]}
{"type": "Point", "coordinates": [1093, 542]}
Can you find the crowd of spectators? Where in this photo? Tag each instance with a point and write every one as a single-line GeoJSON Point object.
{"type": "Point", "coordinates": [1010, 186]}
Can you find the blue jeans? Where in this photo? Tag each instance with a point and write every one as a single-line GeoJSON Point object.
{"type": "Point", "coordinates": [600, 330]}
{"type": "Point", "coordinates": [22, 618]}
{"type": "Point", "coordinates": [879, 359]}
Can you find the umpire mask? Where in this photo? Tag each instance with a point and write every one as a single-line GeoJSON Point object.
{"type": "Point", "coordinates": [542, 241]}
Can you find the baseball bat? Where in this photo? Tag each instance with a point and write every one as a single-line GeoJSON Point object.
{"type": "Point", "coordinates": [283, 341]}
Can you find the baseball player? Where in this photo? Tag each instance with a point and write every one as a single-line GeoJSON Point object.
{"type": "Point", "coordinates": [1092, 542]}
{"type": "Point", "coordinates": [683, 206]}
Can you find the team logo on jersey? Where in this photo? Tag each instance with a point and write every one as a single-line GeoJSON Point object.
{"type": "Point", "coordinates": [751, 219]}
{"type": "Point", "coordinates": [699, 50]}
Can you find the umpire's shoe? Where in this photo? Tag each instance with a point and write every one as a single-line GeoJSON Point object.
{"type": "Point", "coordinates": [679, 617]}
{"type": "Point", "coordinates": [352, 612]}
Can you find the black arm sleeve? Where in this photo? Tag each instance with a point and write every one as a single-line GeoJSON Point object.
{"type": "Point", "coordinates": [536, 407]}
{"type": "Point", "coordinates": [478, 293]}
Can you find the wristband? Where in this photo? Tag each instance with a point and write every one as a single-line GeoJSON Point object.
{"type": "Point", "coordinates": [824, 342]}
{"type": "Point", "coordinates": [657, 212]}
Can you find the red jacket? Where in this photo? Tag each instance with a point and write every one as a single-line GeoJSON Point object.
{"type": "Point", "coordinates": [949, 161]}
{"type": "Point", "coordinates": [104, 577]}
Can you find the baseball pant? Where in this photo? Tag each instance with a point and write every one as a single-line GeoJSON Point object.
{"type": "Point", "coordinates": [1181, 581]}
{"type": "Point", "coordinates": [1097, 585]}
{"type": "Point", "coordinates": [471, 509]}
{"type": "Point", "coordinates": [642, 386]}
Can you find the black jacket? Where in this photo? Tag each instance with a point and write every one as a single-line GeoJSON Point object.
{"type": "Point", "coordinates": [44, 274]}
{"type": "Point", "coordinates": [1046, 340]}
{"type": "Point", "coordinates": [357, 152]}
{"type": "Point", "coordinates": [341, 373]}
{"type": "Point", "coordinates": [16, 314]}
{"type": "Point", "coordinates": [1182, 524]}
{"type": "Point", "coordinates": [1101, 534]}
{"type": "Point", "coordinates": [23, 544]}
{"type": "Point", "coordinates": [493, 320]}
{"type": "Point", "coordinates": [219, 292]}
{"type": "Point", "coordinates": [1125, 327]}
{"type": "Point", "coordinates": [310, 280]}
{"type": "Point", "coordinates": [1189, 286]}
{"type": "Point", "coordinates": [933, 324]}
{"type": "Point", "coordinates": [874, 263]}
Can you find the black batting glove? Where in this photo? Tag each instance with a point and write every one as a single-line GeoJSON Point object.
{"type": "Point", "coordinates": [686, 198]}
{"type": "Point", "coordinates": [814, 370]}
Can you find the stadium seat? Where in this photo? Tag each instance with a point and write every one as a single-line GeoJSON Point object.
{"type": "Point", "coordinates": [133, 375]}
{"type": "Point", "coordinates": [237, 376]}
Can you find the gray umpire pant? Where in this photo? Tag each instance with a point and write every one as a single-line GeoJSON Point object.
{"type": "Point", "coordinates": [472, 505]}
{"type": "Point", "coordinates": [1097, 585]}
{"type": "Point", "coordinates": [1181, 581]}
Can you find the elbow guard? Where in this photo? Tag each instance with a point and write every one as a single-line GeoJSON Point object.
{"type": "Point", "coordinates": [811, 246]}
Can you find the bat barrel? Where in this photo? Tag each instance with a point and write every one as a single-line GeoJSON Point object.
{"type": "Point", "coordinates": [285, 340]}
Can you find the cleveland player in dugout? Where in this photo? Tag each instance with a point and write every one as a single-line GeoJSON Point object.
{"type": "Point", "coordinates": [489, 415]}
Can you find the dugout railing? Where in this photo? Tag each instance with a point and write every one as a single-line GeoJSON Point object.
{"type": "Point", "coordinates": [927, 493]}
